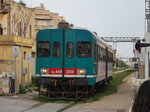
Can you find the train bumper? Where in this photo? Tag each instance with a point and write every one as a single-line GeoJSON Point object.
{"type": "Point", "coordinates": [58, 81]}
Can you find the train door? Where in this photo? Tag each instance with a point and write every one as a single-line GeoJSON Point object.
{"type": "Point", "coordinates": [63, 55]}
{"type": "Point", "coordinates": [69, 53]}
{"type": "Point", "coordinates": [56, 63]}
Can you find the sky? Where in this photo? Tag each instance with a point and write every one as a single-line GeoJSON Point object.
{"type": "Point", "coordinates": [109, 18]}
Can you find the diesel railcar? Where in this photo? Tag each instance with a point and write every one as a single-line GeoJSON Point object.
{"type": "Point", "coordinates": [71, 62]}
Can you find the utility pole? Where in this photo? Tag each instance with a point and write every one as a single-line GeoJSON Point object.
{"type": "Point", "coordinates": [147, 14]}
{"type": "Point", "coordinates": [147, 31]}
{"type": "Point", "coordinates": [22, 49]}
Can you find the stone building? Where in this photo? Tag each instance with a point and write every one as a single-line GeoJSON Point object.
{"type": "Point", "coordinates": [17, 19]}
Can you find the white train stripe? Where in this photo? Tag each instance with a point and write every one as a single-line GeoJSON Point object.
{"type": "Point", "coordinates": [67, 76]}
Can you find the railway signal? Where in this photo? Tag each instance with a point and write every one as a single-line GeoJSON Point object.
{"type": "Point", "coordinates": [139, 45]}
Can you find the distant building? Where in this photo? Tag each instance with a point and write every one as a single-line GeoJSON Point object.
{"type": "Point", "coordinates": [45, 19]}
{"type": "Point", "coordinates": [131, 62]}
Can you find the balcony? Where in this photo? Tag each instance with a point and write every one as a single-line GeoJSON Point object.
{"type": "Point", "coordinates": [15, 40]}
{"type": "Point", "coordinates": [5, 8]}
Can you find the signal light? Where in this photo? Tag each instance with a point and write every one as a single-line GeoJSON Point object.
{"type": "Point", "coordinates": [139, 45]}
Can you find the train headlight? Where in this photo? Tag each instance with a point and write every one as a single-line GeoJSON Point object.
{"type": "Point", "coordinates": [81, 71]}
{"type": "Point", "coordinates": [44, 70]}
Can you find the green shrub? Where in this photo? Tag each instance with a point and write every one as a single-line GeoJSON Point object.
{"type": "Point", "coordinates": [22, 90]}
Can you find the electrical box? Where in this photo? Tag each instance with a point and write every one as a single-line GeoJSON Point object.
{"type": "Point", "coordinates": [24, 71]}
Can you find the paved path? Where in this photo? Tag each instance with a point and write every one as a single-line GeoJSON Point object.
{"type": "Point", "coordinates": [112, 103]}
{"type": "Point", "coordinates": [26, 105]}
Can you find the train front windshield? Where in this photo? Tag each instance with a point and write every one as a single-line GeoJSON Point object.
{"type": "Point", "coordinates": [43, 49]}
{"type": "Point", "coordinates": [83, 49]}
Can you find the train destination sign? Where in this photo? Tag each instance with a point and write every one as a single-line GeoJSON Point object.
{"type": "Point", "coordinates": [58, 71]}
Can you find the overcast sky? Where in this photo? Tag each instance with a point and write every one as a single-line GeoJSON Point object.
{"type": "Point", "coordinates": [106, 17]}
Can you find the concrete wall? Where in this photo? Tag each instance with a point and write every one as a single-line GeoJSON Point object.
{"type": "Point", "coordinates": [142, 70]}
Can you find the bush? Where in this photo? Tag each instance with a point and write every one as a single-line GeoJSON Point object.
{"type": "Point", "coordinates": [22, 90]}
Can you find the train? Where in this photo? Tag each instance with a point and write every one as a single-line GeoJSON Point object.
{"type": "Point", "coordinates": [71, 63]}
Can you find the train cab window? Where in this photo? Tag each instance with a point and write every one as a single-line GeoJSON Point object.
{"type": "Point", "coordinates": [43, 49]}
{"type": "Point", "coordinates": [83, 49]}
{"type": "Point", "coordinates": [70, 50]}
{"type": "Point", "coordinates": [56, 49]}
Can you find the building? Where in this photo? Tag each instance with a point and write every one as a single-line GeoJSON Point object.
{"type": "Point", "coordinates": [45, 19]}
{"type": "Point", "coordinates": [8, 63]}
{"type": "Point", "coordinates": [145, 57]}
{"type": "Point", "coordinates": [18, 27]}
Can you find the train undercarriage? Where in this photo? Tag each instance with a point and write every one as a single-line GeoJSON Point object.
{"type": "Point", "coordinates": [67, 89]}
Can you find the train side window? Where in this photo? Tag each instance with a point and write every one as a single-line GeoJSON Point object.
{"type": "Point", "coordinates": [104, 54]}
{"type": "Point", "coordinates": [95, 52]}
{"type": "Point", "coordinates": [56, 49]}
{"type": "Point", "coordinates": [70, 50]}
{"type": "Point", "coordinates": [101, 58]}
{"type": "Point", "coordinates": [99, 53]}
{"type": "Point", "coordinates": [43, 49]}
{"type": "Point", "coordinates": [83, 49]}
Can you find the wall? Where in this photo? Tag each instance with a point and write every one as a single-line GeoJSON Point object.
{"type": "Point", "coordinates": [7, 62]}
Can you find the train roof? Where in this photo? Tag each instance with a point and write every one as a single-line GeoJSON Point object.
{"type": "Point", "coordinates": [95, 35]}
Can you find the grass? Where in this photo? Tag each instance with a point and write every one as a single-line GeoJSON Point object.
{"type": "Point", "coordinates": [109, 89]}
{"type": "Point", "coordinates": [118, 69]}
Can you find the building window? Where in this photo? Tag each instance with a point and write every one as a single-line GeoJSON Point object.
{"type": "Point", "coordinates": [1, 29]}
{"type": "Point", "coordinates": [48, 23]}
{"type": "Point", "coordinates": [24, 54]}
{"type": "Point", "coordinates": [19, 29]}
{"type": "Point", "coordinates": [1, 4]}
{"type": "Point", "coordinates": [14, 23]}
{"type": "Point", "coordinates": [30, 31]}
{"type": "Point", "coordinates": [33, 54]}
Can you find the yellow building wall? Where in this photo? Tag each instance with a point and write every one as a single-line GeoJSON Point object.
{"type": "Point", "coordinates": [27, 65]}
{"type": "Point", "coordinates": [20, 19]}
{"type": "Point", "coordinates": [7, 62]}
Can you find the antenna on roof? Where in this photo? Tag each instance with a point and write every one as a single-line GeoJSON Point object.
{"type": "Point", "coordinates": [42, 5]}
